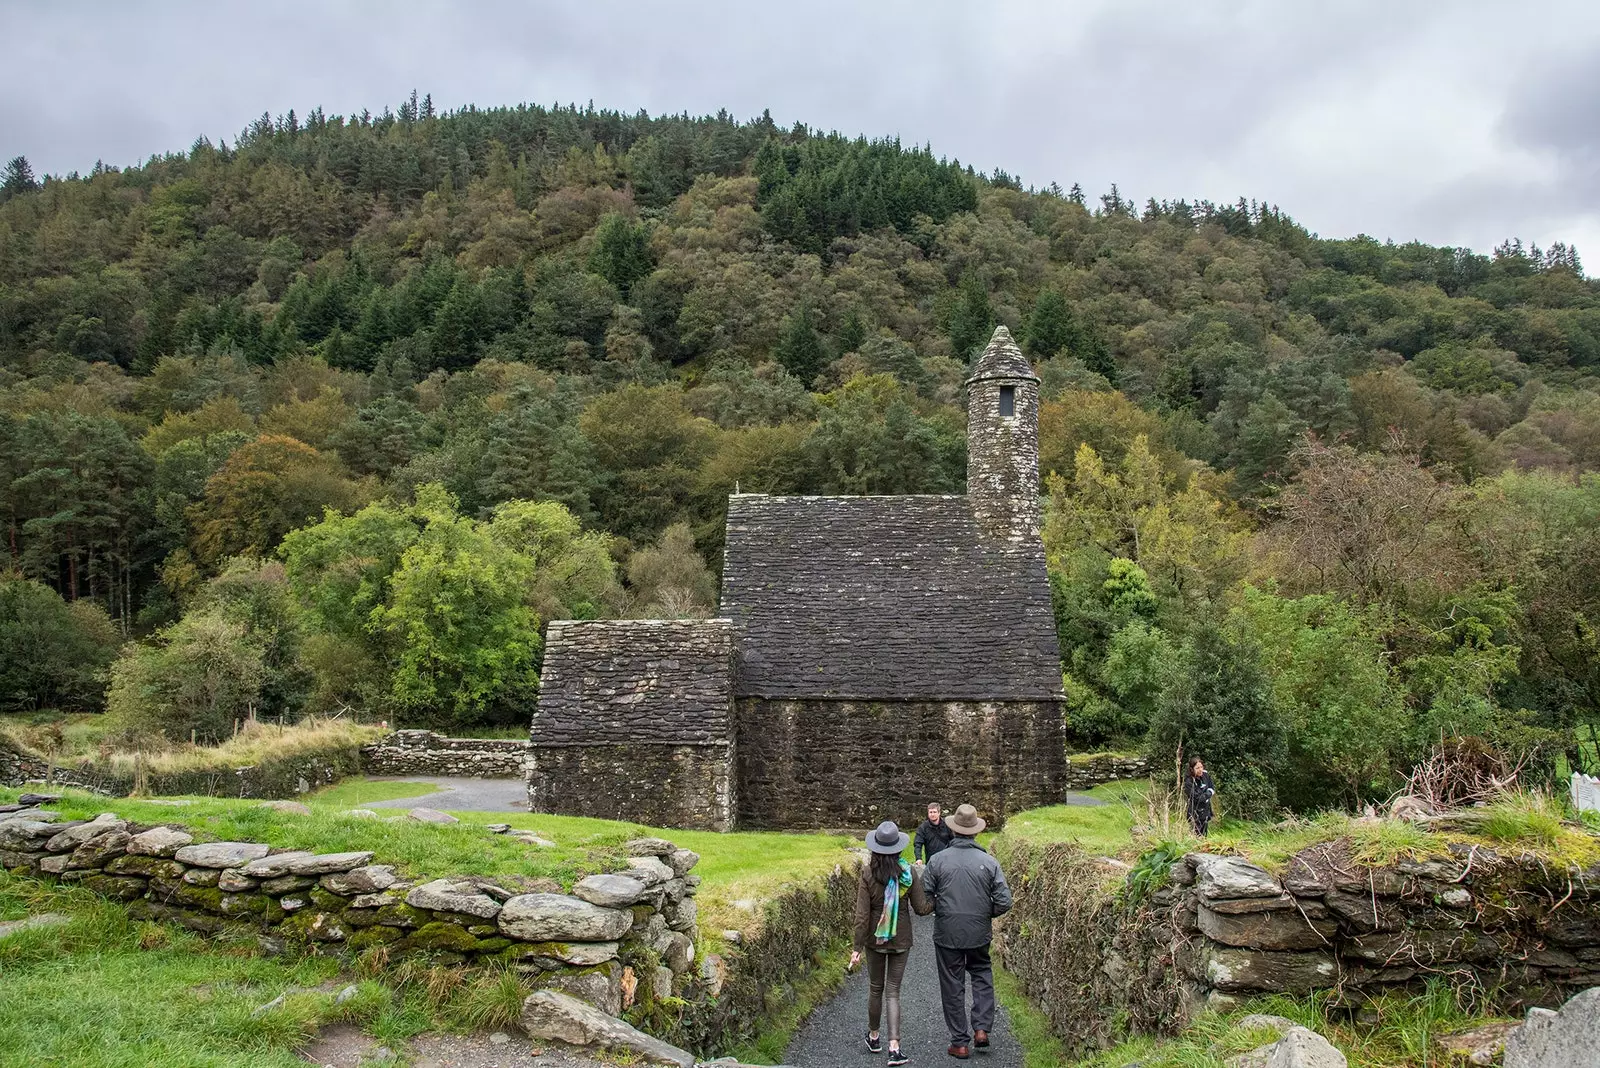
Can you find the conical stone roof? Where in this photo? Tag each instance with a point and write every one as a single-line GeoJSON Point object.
{"type": "Point", "coordinates": [1002, 359]}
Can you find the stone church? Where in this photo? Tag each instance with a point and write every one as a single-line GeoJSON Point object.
{"type": "Point", "coordinates": [871, 654]}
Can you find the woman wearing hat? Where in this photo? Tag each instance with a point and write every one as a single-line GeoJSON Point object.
{"type": "Point", "coordinates": [882, 929]}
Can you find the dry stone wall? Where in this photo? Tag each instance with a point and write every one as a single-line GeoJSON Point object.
{"type": "Point", "coordinates": [283, 778]}
{"type": "Point", "coordinates": [1097, 769]}
{"type": "Point", "coordinates": [417, 752]}
{"type": "Point", "coordinates": [798, 761]}
{"type": "Point", "coordinates": [640, 919]}
{"type": "Point", "coordinates": [1526, 933]}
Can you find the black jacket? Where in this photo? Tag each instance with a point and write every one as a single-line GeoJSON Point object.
{"type": "Point", "coordinates": [968, 890]}
{"type": "Point", "coordinates": [931, 837]}
{"type": "Point", "coordinates": [1199, 791]}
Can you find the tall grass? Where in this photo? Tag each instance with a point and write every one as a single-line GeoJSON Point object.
{"type": "Point", "coordinates": [254, 744]}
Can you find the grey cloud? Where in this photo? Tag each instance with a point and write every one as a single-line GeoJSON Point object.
{"type": "Point", "coordinates": [1164, 97]}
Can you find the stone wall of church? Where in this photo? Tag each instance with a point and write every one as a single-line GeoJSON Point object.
{"type": "Point", "coordinates": [820, 763]}
{"type": "Point", "coordinates": [681, 786]}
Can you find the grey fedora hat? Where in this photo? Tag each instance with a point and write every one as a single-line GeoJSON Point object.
{"type": "Point", "coordinates": [966, 820]}
{"type": "Point", "coordinates": [888, 838]}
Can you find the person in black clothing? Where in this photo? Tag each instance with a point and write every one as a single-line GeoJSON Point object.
{"type": "Point", "coordinates": [932, 836]}
{"type": "Point", "coordinates": [1198, 790]}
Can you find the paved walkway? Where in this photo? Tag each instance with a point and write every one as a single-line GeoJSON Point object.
{"type": "Point", "coordinates": [460, 794]}
{"type": "Point", "coordinates": [832, 1037]}
{"type": "Point", "coordinates": [1075, 797]}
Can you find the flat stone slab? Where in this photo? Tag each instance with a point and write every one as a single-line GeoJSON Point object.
{"type": "Point", "coordinates": [559, 918]}
{"type": "Point", "coordinates": [30, 923]}
{"type": "Point", "coordinates": [274, 866]}
{"type": "Point", "coordinates": [159, 842]}
{"type": "Point", "coordinates": [328, 863]}
{"type": "Point", "coordinates": [220, 854]}
{"type": "Point", "coordinates": [1218, 877]}
{"type": "Point", "coordinates": [453, 895]}
{"type": "Point", "coordinates": [428, 815]}
{"type": "Point", "coordinates": [611, 891]}
{"type": "Point", "coordinates": [550, 1015]}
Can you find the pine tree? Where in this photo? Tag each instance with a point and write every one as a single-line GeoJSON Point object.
{"type": "Point", "coordinates": [18, 179]}
{"type": "Point", "coordinates": [621, 253]}
{"type": "Point", "coordinates": [799, 348]}
{"type": "Point", "coordinates": [1052, 326]}
{"type": "Point", "coordinates": [852, 333]}
{"type": "Point", "coordinates": [971, 320]}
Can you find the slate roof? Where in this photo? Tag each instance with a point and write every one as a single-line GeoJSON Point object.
{"type": "Point", "coordinates": [1002, 359]}
{"type": "Point", "coordinates": [884, 598]}
{"type": "Point", "coordinates": [635, 681]}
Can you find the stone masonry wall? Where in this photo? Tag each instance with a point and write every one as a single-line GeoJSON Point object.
{"type": "Point", "coordinates": [270, 779]}
{"type": "Point", "coordinates": [803, 764]}
{"type": "Point", "coordinates": [1524, 933]}
{"type": "Point", "coordinates": [640, 919]}
{"type": "Point", "coordinates": [1097, 769]}
{"type": "Point", "coordinates": [426, 753]}
{"type": "Point", "coordinates": [688, 786]}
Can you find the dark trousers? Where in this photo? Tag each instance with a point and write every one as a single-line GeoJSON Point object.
{"type": "Point", "coordinates": [955, 965]}
{"type": "Point", "coordinates": [1200, 818]}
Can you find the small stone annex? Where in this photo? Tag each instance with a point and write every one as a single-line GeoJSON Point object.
{"type": "Point", "coordinates": [871, 654]}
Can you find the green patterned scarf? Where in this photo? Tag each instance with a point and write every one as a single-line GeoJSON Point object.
{"type": "Point", "coordinates": [889, 922]}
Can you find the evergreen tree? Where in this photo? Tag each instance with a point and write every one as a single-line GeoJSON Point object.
{"type": "Point", "coordinates": [1052, 326]}
{"type": "Point", "coordinates": [799, 348]}
{"type": "Point", "coordinates": [972, 319]}
{"type": "Point", "coordinates": [18, 179]}
{"type": "Point", "coordinates": [621, 253]}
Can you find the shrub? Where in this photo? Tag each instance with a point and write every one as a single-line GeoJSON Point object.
{"type": "Point", "coordinates": [52, 654]}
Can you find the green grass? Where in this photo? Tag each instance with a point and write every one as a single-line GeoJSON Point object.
{"type": "Point", "coordinates": [1040, 1047]}
{"type": "Point", "coordinates": [772, 1043]}
{"type": "Point", "coordinates": [1106, 828]}
{"type": "Point", "coordinates": [737, 870]}
{"type": "Point", "coordinates": [105, 990]}
{"type": "Point", "coordinates": [1403, 1037]}
{"type": "Point", "coordinates": [359, 790]}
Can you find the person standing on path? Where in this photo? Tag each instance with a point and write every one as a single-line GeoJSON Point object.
{"type": "Point", "coordinates": [968, 891]}
{"type": "Point", "coordinates": [1198, 790]}
{"type": "Point", "coordinates": [932, 836]}
{"type": "Point", "coordinates": [882, 930]}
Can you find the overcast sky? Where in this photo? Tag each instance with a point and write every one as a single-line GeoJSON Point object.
{"type": "Point", "coordinates": [1460, 122]}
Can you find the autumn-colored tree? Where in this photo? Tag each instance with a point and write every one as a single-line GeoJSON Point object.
{"type": "Point", "coordinates": [263, 491]}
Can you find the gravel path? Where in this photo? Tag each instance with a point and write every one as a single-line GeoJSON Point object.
{"type": "Point", "coordinates": [832, 1037]}
{"type": "Point", "coordinates": [460, 795]}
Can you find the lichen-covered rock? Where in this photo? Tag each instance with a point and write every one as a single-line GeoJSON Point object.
{"type": "Point", "coordinates": [328, 863]}
{"type": "Point", "coordinates": [681, 861]}
{"type": "Point", "coordinates": [119, 887]}
{"type": "Point", "coordinates": [454, 895]}
{"type": "Point", "coordinates": [220, 854]}
{"type": "Point", "coordinates": [617, 890]}
{"type": "Point", "coordinates": [1231, 969]}
{"type": "Point", "coordinates": [676, 951]}
{"type": "Point", "coordinates": [428, 815]}
{"type": "Point", "coordinates": [202, 876]}
{"type": "Point", "coordinates": [27, 835]}
{"type": "Point", "coordinates": [231, 881]}
{"type": "Point", "coordinates": [1298, 1048]}
{"type": "Point", "coordinates": [1276, 930]}
{"type": "Point", "coordinates": [1561, 1039]}
{"type": "Point", "coordinates": [159, 842]}
{"type": "Point", "coordinates": [552, 1015]}
{"type": "Point", "coordinates": [284, 884]}
{"type": "Point", "coordinates": [369, 879]}
{"type": "Point", "coordinates": [71, 838]}
{"type": "Point", "coordinates": [651, 869]}
{"type": "Point", "coordinates": [97, 851]}
{"type": "Point", "coordinates": [559, 918]}
{"type": "Point", "coordinates": [649, 847]}
{"type": "Point", "coordinates": [1218, 877]}
{"type": "Point", "coordinates": [682, 916]}
{"type": "Point", "coordinates": [599, 986]}
{"type": "Point", "coordinates": [146, 865]}
{"type": "Point", "coordinates": [547, 955]}
{"type": "Point", "coordinates": [275, 866]}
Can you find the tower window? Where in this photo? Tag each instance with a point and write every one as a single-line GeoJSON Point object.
{"type": "Point", "coordinates": [1008, 400]}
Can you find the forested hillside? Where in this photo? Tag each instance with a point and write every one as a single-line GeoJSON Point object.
{"type": "Point", "coordinates": [1313, 503]}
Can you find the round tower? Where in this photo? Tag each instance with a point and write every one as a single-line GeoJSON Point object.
{"type": "Point", "coordinates": [1003, 441]}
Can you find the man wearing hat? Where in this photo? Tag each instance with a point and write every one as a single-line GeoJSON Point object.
{"type": "Point", "coordinates": [968, 891]}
